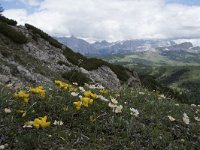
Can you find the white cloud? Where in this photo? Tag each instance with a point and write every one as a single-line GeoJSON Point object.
{"type": "Point", "coordinates": [113, 19]}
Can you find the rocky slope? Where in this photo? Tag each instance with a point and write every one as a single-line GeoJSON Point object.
{"type": "Point", "coordinates": [37, 61]}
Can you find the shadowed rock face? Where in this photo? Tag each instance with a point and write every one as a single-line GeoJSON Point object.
{"type": "Point", "coordinates": [37, 62]}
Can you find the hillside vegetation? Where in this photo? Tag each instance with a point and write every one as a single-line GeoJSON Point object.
{"type": "Point", "coordinates": [91, 117]}
{"type": "Point", "coordinates": [178, 70]}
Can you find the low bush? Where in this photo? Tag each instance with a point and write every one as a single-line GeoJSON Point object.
{"type": "Point", "coordinates": [12, 34]}
{"type": "Point", "coordinates": [76, 76]}
{"type": "Point", "coordinates": [8, 21]}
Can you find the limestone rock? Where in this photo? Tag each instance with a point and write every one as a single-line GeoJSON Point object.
{"type": "Point", "coordinates": [105, 76]}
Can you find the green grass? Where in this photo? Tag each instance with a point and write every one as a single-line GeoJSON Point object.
{"type": "Point", "coordinates": [107, 130]}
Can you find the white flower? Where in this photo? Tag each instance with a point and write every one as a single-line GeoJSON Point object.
{"type": "Point", "coordinates": [102, 98]}
{"type": "Point", "coordinates": [193, 105]}
{"type": "Point", "coordinates": [7, 110]}
{"type": "Point", "coordinates": [118, 109]}
{"type": "Point", "coordinates": [171, 118]}
{"type": "Point", "coordinates": [162, 96]}
{"type": "Point", "coordinates": [59, 123]}
{"type": "Point", "coordinates": [111, 105]}
{"type": "Point", "coordinates": [74, 93]}
{"type": "Point", "coordinates": [141, 93]}
{"type": "Point", "coordinates": [92, 86]}
{"type": "Point", "coordinates": [28, 124]}
{"type": "Point", "coordinates": [2, 147]}
{"type": "Point", "coordinates": [114, 101]}
{"type": "Point", "coordinates": [81, 89]}
{"type": "Point", "coordinates": [134, 112]}
{"type": "Point", "coordinates": [186, 119]}
{"type": "Point", "coordinates": [176, 104]}
{"type": "Point", "coordinates": [197, 118]}
{"type": "Point", "coordinates": [74, 83]}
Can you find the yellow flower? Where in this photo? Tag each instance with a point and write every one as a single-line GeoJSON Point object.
{"type": "Point", "coordinates": [104, 91]}
{"type": "Point", "coordinates": [38, 90]}
{"type": "Point", "coordinates": [89, 94]}
{"type": "Point", "coordinates": [86, 101]}
{"type": "Point", "coordinates": [22, 95]}
{"type": "Point", "coordinates": [62, 85]}
{"type": "Point", "coordinates": [41, 122]}
{"type": "Point", "coordinates": [78, 105]}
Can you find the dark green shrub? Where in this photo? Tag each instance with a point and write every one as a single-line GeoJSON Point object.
{"type": "Point", "coordinates": [94, 63]}
{"type": "Point", "coordinates": [8, 21]}
{"type": "Point", "coordinates": [76, 76]}
{"type": "Point", "coordinates": [150, 83]}
{"type": "Point", "coordinates": [44, 35]}
{"type": "Point", "coordinates": [12, 34]}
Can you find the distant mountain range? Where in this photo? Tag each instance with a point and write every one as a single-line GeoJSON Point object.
{"type": "Point", "coordinates": [124, 47]}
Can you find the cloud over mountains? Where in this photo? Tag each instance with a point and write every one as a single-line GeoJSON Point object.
{"type": "Point", "coordinates": [112, 19]}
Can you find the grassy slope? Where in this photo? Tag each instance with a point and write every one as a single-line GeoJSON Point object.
{"type": "Point", "coordinates": [97, 127]}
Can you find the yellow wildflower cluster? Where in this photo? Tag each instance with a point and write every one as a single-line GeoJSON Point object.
{"type": "Point", "coordinates": [41, 122]}
{"type": "Point", "coordinates": [65, 86]}
{"type": "Point", "coordinates": [89, 94]}
{"type": "Point", "coordinates": [38, 90]}
{"type": "Point", "coordinates": [86, 100]}
{"type": "Point", "coordinates": [22, 95]}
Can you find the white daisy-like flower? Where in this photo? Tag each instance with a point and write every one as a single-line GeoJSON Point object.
{"type": "Point", "coordinates": [171, 118]}
{"type": "Point", "coordinates": [197, 118]}
{"type": "Point", "coordinates": [99, 86]}
{"type": "Point", "coordinates": [28, 124]}
{"type": "Point", "coordinates": [2, 147]}
{"type": "Point", "coordinates": [74, 93]}
{"type": "Point", "coordinates": [134, 112]}
{"type": "Point", "coordinates": [59, 123]}
{"type": "Point", "coordinates": [162, 96]}
{"type": "Point", "coordinates": [141, 93]}
{"type": "Point", "coordinates": [111, 105]}
{"type": "Point", "coordinates": [7, 110]}
{"type": "Point", "coordinates": [114, 101]}
{"type": "Point", "coordinates": [186, 119]}
{"type": "Point", "coordinates": [118, 109]}
{"type": "Point", "coordinates": [193, 105]}
{"type": "Point", "coordinates": [81, 89]}
{"type": "Point", "coordinates": [102, 98]}
{"type": "Point", "coordinates": [75, 83]}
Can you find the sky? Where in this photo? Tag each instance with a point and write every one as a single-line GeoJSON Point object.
{"type": "Point", "coordinates": [110, 20]}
